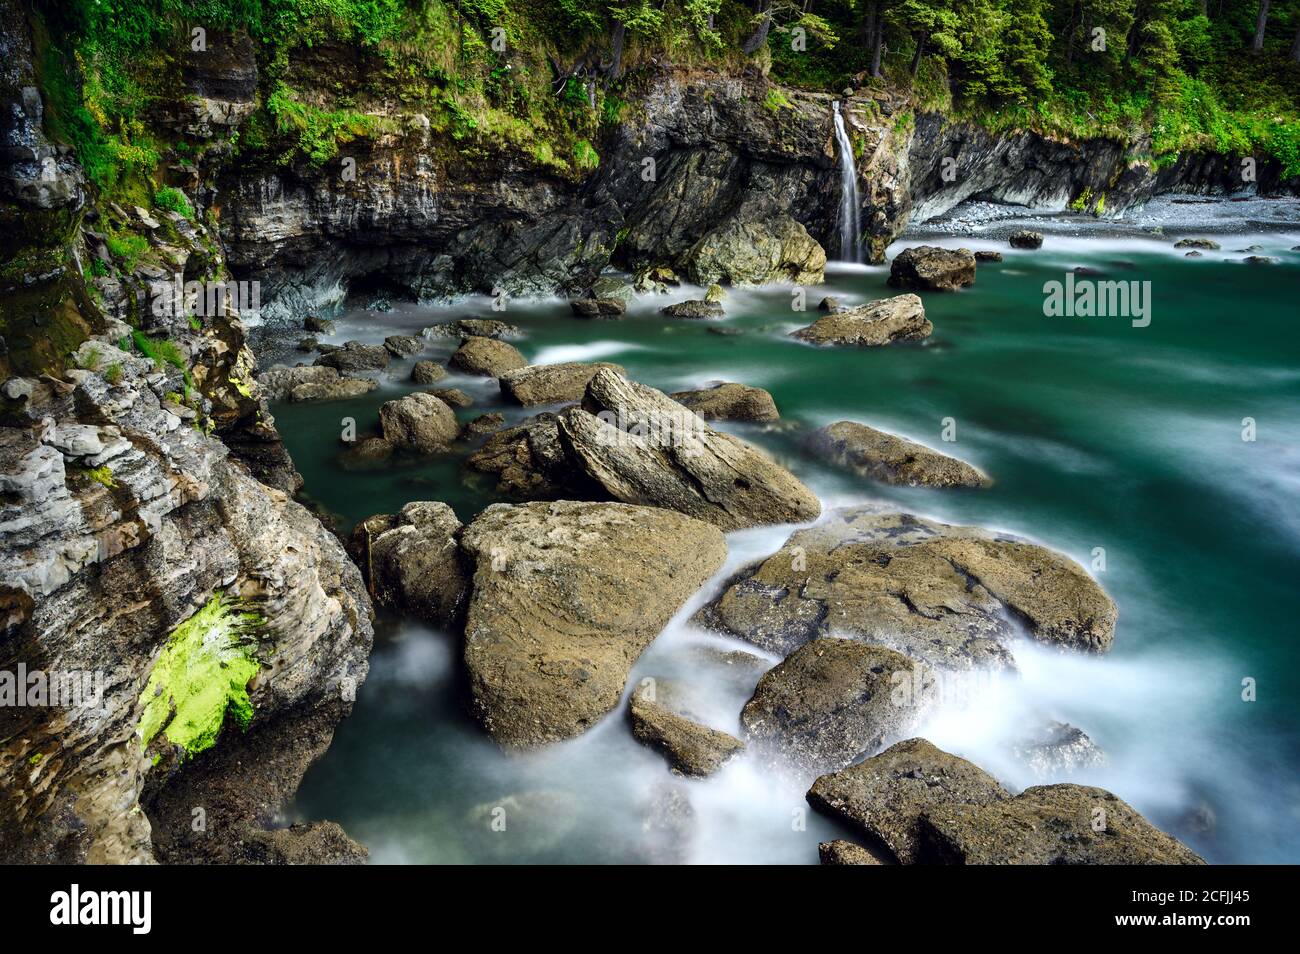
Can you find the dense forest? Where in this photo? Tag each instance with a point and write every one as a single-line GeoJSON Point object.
{"type": "Point", "coordinates": [548, 77]}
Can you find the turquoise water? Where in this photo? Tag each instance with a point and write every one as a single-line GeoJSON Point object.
{"type": "Point", "coordinates": [1098, 435]}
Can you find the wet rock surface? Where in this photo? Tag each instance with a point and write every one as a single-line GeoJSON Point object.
{"type": "Point", "coordinates": [660, 712]}
{"type": "Point", "coordinates": [729, 402]}
{"type": "Point", "coordinates": [564, 597]}
{"type": "Point", "coordinates": [490, 357]}
{"type": "Point", "coordinates": [831, 702]}
{"type": "Point", "coordinates": [411, 561]}
{"type": "Point", "coordinates": [901, 318]}
{"type": "Point", "coordinates": [941, 594]}
{"type": "Point", "coordinates": [890, 458]}
{"type": "Point", "coordinates": [419, 422]}
{"type": "Point", "coordinates": [929, 268]}
{"type": "Point", "coordinates": [680, 463]}
{"type": "Point", "coordinates": [551, 383]}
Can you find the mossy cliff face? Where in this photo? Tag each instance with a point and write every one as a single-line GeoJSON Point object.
{"type": "Point", "coordinates": [147, 538]}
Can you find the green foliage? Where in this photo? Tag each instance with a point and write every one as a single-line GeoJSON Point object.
{"type": "Point", "coordinates": [128, 247]}
{"type": "Point", "coordinates": [102, 475]}
{"type": "Point", "coordinates": [173, 200]}
{"type": "Point", "coordinates": [775, 100]}
{"type": "Point", "coordinates": [585, 155]}
{"type": "Point", "coordinates": [113, 373]}
{"type": "Point", "coordinates": [159, 350]}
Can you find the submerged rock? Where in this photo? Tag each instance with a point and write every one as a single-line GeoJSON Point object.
{"type": "Point", "coordinates": [551, 383]}
{"type": "Point", "coordinates": [892, 459]}
{"type": "Point", "coordinates": [885, 796]}
{"type": "Point", "coordinates": [355, 356]}
{"type": "Point", "coordinates": [411, 562]}
{"type": "Point", "coordinates": [368, 452]}
{"type": "Point", "coordinates": [482, 425]}
{"type": "Point", "coordinates": [901, 318]}
{"type": "Point", "coordinates": [452, 397]}
{"type": "Point", "coordinates": [642, 447]}
{"type": "Point", "coordinates": [943, 594]}
{"type": "Point", "coordinates": [1200, 243]}
{"type": "Point", "coordinates": [565, 596]}
{"type": "Point", "coordinates": [1048, 825]}
{"type": "Point", "coordinates": [729, 402]}
{"type": "Point", "coordinates": [930, 268]}
{"type": "Point", "coordinates": [335, 390]}
{"type": "Point", "coordinates": [1026, 239]}
{"type": "Point", "coordinates": [661, 718]}
{"type": "Point", "coordinates": [418, 422]}
{"type": "Point", "coordinates": [487, 356]}
{"type": "Point", "coordinates": [829, 703]}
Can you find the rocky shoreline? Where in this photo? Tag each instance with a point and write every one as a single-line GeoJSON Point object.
{"type": "Point", "coordinates": [149, 529]}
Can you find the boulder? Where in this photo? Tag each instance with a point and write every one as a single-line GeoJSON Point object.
{"type": "Point", "coordinates": [368, 452]}
{"type": "Point", "coordinates": [551, 383]}
{"type": "Point", "coordinates": [885, 796]}
{"type": "Point", "coordinates": [613, 287]}
{"type": "Point", "coordinates": [757, 245]}
{"type": "Point", "coordinates": [337, 389]}
{"type": "Point", "coordinates": [1201, 243]}
{"type": "Point", "coordinates": [841, 852]}
{"type": "Point", "coordinates": [642, 447]}
{"type": "Point", "coordinates": [987, 255]}
{"type": "Point", "coordinates": [277, 381]}
{"type": "Point", "coordinates": [321, 326]}
{"type": "Point", "coordinates": [564, 598]}
{"type": "Point", "coordinates": [483, 424]}
{"type": "Point", "coordinates": [487, 356]}
{"type": "Point", "coordinates": [411, 562]}
{"type": "Point", "coordinates": [830, 304]}
{"type": "Point", "coordinates": [453, 397]}
{"type": "Point", "coordinates": [427, 372]}
{"type": "Point", "coordinates": [901, 318]}
{"type": "Point", "coordinates": [306, 344]}
{"type": "Point", "coordinates": [472, 328]}
{"type": "Point", "coordinates": [1048, 825]}
{"type": "Point", "coordinates": [891, 459]}
{"type": "Point", "coordinates": [946, 595]}
{"type": "Point", "coordinates": [598, 307]}
{"type": "Point", "coordinates": [1026, 239]}
{"type": "Point", "coordinates": [714, 294]}
{"type": "Point", "coordinates": [829, 703]}
{"type": "Point", "coordinates": [694, 308]}
{"type": "Point", "coordinates": [929, 268]}
{"type": "Point", "coordinates": [730, 402]}
{"type": "Point", "coordinates": [403, 346]}
{"type": "Point", "coordinates": [661, 718]}
{"type": "Point", "coordinates": [418, 422]}
{"type": "Point", "coordinates": [355, 356]}
{"type": "Point", "coordinates": [530, 464]}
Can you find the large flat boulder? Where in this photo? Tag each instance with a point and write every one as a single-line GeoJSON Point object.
{"type": "Point", "coordinates": [890, 458]}
{"type": "Point", "coordinates": [642, 447]}
{"type": "Point", "coordinates": [551, 383]}
{"type": "Point", "coordinates": [729, 401]}
{"type": "Point", "coordinates": [829, 703]}
{"type": "Point", "coordinates": [885, 796]}
{"type": "Point", "coordinates": [564, 598]}
{"type": "Point", "coordinates": [660, 711]}
{"type": "Point", "coordinates": [878, 323]}
{"type": "Point", "coordinates": [1048, 825]}
{"type": "Point", "coordinates": [355, 356]}
{"type": "Point", "coordinates": [929, 268]}
{"type": "Point", "coordinates": [943, 594]}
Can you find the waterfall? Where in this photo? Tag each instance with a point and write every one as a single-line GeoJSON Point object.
{"type": "Point", "coordinates": [850, 208]}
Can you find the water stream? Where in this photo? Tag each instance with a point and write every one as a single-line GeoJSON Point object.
{"type": "Point", "coordinates": [850, 206]}
{"type": "Point", "coordinates": [1098, 434]}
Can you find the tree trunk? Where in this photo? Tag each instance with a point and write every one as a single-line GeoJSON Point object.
{"type": "Point", "coordinates": [1295, 46]}
{"type": "Point", "coordinates": [1069, 34]}
{"type": "Point", "coordinates": [616, 42]}
{"type": "Point", "coordinates": [759, 38]}
{"type": "Point", "coordinates": [1261, 22]}
{"type": "Point", "coordinates": [916, 60]}
{"type": "Point", "coordinates": [877, 38]}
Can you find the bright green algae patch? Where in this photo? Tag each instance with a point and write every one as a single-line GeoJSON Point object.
{"type": "Point", "coordinates": [202, 673]}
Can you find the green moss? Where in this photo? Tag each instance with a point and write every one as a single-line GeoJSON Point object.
{"type": "Point", "coordinates": [173, 200]}
{"type": "Point", "coordinates": [775, 101]}
{"type": "Point", "coordinates": [201, 675]}
{"type": "Point", "coordinates": [102, 475]}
